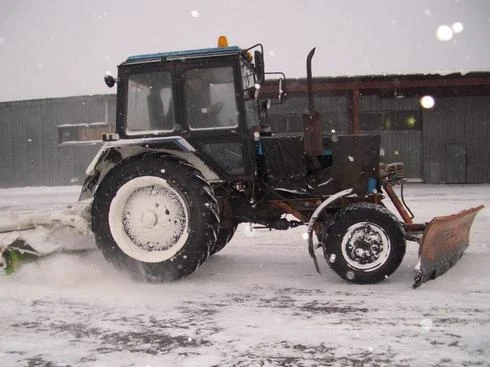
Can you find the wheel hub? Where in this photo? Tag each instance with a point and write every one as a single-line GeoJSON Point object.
{"type": "Point", "coordinates": [149, 219]}
{"type": "Point", "coordinates": [365, 246]}
{"type": "Point", "coordinates": [154, 217]}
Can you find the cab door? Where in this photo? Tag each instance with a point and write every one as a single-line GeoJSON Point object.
{"type": "Point", "coordinates": [213, 113]}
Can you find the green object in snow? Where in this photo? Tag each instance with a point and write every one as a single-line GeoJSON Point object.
{"type": "Point", "coordinates": [12, 258]}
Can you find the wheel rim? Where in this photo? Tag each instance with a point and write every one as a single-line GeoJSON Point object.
{"type": "Point", "coordinates": [365, 246]}
{"type": "Point", "coordinates": [149, 219]}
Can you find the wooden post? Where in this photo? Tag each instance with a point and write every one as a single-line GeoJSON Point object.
{"type": "Point", "coordinates": [354, 112]}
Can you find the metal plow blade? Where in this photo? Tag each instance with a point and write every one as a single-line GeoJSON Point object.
{"type": "Point", "coordinates": [443, 243]}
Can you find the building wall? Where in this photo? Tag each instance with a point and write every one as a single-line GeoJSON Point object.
{"type": "Point", "coordinates": [405, 146]}
{"type": "Point", "coordinates": [456, 140]}
{"type": "Point", "coordinates": [31, 155]}
{"type": "Point", "coordinates": [288, 117]}
{"type": "Point", "coordinates": [400, 144]}
{"type": "Point", "coordinates": [452, 146]}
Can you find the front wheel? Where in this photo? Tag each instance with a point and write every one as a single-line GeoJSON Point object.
{"type": "Point", "coordinates": [365, 243]}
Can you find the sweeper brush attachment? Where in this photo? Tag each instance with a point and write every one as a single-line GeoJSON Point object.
{"type": "Point", "coordinates": [444, 240]}
{"type": "Point", "coordinates": [32, 235]}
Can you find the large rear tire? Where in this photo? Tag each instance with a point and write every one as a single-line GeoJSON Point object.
{"type": "Point", "coordinates": [225, 235]}
{"type": "Point", "coordinates": [227, 225]}
{"type": "Point", "coordinates": [155, 218]}
{"type": "Point", "coordinates": [365, 243]}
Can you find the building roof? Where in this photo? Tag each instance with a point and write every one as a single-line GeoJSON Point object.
{"type": "Point", "coordinates": [456, 84]}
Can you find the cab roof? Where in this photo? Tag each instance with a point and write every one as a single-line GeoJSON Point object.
{"type": "Point", "coordinates": [204, 52]}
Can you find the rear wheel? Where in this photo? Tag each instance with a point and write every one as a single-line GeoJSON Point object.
{"type": "Point", "coordinates": [365, 243]}
{"type": "Point", "coordinates": [225, 234]}
{"type": "Point", "coordinates": [227, 225]}
{"type": "Point", "coordinates": [155, 218]}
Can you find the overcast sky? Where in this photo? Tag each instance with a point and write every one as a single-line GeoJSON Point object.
{"type": "Point", "coordinates": [57, 48]}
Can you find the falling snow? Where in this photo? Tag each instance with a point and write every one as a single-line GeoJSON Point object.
{"type": "Point", "coordinates": [457, 27]}
{"type": "Point", "coordinates": [427, 102]}
{"type": "Point", "coordinates": [444, 33]}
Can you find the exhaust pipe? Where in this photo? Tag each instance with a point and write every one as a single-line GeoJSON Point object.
{"type": "Point", "coordinates": [313, 143]}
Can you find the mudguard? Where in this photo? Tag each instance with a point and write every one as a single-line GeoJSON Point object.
{"type": "Point", "coordinates": [444, 240]}
{"type": "Point", "coordinates": [114, 152]}
{"type": "Point", "coordinates": [313, 219]}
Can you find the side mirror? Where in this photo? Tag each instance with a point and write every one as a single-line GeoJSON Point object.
{"type": "Point", "coordinates": [282, 90]}
{"type": "Point", "coordinates": [259, 66]}
{"type": "Point", "coordinates": [110, 81]}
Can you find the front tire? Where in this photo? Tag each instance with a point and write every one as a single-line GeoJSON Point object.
{"type": "Point", "coordinates": [365, 243]}
{"type": "Point", "coordinates": [155, 218]}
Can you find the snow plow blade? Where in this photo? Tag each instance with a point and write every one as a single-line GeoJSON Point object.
{"type": "Point", "coordinates": [443, 243]}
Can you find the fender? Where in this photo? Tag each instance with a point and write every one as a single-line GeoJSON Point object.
{"type": "Point", "coordinates": [314, 218]}
{"type": "Point", "coordinates": [114, 152]}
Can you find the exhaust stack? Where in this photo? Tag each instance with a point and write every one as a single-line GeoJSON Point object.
{"type": "Point", "coordinates": [313, 144]}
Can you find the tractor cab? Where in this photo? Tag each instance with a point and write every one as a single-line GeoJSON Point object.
{"type": "Point", "coordinates": [209, 97]}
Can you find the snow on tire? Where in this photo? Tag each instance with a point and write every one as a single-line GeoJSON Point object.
{"type": "Point", "coordinates": [155, 218]}
{"type": "Point", "coordinates": [365, 243]}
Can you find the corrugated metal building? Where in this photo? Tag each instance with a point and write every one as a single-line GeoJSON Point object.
{"type": "Point", "coordinates": [447, 143]}
{"type": "Point", "coordinates": [38, 139]}
{"type": "Point", "coordinates": [51, 141]}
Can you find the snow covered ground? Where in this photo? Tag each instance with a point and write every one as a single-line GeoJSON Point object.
{"type": "Point", "coordinates": [259, 302]}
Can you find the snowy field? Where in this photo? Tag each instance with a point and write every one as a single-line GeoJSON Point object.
{"type": "Point", "coordinates": [259, 302]}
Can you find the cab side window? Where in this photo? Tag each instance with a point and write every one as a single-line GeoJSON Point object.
{"type": "Point", "coordinates": [150, 103]}
{"type": "Point", "coordinates": [210, 98]}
